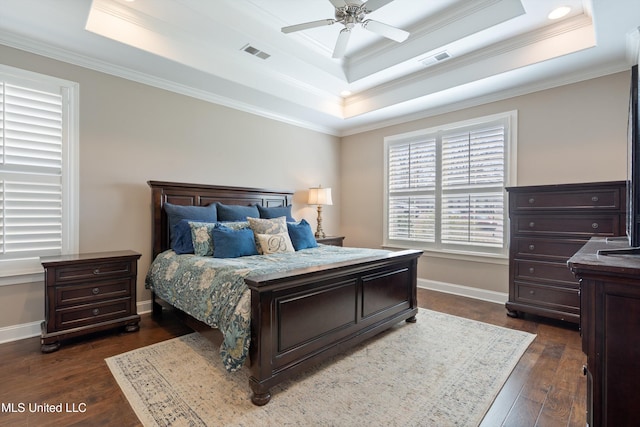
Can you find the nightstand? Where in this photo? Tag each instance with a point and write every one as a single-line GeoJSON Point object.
{"type": "Point", "coordinates": [330, 240]}
{"type": "Point", "coordinates": [87, 293]}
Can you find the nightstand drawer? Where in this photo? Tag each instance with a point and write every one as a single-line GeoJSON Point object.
{"type": "Point", "coordinates": [90, 292]}
{"type": "Point", "coordinates": [94, 271]}
{"type": "Point", "coordinates": [90, 314]}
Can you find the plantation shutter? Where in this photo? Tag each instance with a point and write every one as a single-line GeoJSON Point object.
{"type": "Point", "coordinates": [472, 186]}
{"type": "Point", "coordinates": [31, 138]}
{"type": "Point", "coordinates": [411, 186]}
{"type": "Point", "coordinates": [445, 187]}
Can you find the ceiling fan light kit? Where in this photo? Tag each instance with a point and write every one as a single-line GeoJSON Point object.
{"type": "Point", "coordinates": [349, 13]}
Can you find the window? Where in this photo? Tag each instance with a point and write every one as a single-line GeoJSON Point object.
{"type": "Point", "coordinates": [445, 186]}
{"type": "Point", "coordinates": [38, 172]}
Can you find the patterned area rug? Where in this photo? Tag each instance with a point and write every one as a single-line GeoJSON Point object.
{"type": "Point", "coordinates": [441, 371]}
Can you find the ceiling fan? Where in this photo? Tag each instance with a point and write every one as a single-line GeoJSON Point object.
{"type": "Point", "coordinates": [349, 13]}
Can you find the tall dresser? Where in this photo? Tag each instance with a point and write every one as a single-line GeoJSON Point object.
{"type": "Point", "coordinates": [550, 223]}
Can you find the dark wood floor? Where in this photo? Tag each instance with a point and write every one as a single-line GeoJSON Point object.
{"type": "Point", "coordinates": [545, 389]}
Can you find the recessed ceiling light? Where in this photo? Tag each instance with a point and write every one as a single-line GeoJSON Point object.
{"type": "Point", "coordinates": [559, 12]}
{"type": "Point", "coordinates": [345, 93]}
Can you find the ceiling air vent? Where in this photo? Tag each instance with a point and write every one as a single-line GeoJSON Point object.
{"type": "Point", "coordinates": [433, 59]}
{"type": "Point", "coordinates": [255, 52]}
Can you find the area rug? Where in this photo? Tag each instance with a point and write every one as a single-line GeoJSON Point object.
{"type": "Point", "coordinates": [441, 371]}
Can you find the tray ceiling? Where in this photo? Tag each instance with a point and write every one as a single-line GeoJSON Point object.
{"type": "Point", "coordinates": [232, 52]}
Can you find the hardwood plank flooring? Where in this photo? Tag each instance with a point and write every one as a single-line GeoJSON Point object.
{"type": "Point", "coordinates": [546, 388]}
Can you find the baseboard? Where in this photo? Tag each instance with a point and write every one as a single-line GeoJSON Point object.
{"type": "Point", "coordinates": [29, 330]}
{"type": "Point", "coordinates": [464, 291]}
{"type": "Point", "coordinates": [144, 306]}
{"type": "Point", "coordinates": [19, 332]}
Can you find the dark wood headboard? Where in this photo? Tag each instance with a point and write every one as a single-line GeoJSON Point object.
{"type": "Point", "coordinates": [202, 195]}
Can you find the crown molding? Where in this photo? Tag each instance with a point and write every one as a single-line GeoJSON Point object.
{"type": "Point", "coordinates": [497, 96]}
{"type": "Point", "coordinates": [73, 58]}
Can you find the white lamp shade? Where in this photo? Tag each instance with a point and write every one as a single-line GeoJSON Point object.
{"type": "Point", "coordinates": [320, 196]}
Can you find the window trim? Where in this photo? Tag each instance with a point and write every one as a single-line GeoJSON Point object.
{"type": "Point", "coordinates": [29, 270]}
{"type": "Point", "coordinates": [511, 152]}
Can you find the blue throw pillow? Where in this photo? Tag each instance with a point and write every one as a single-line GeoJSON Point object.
{"type": "Point", "coordinates": [182, 242]}
{"type": "Point", "coordinates": [229, 243]}
{"type": "Point", "coordinates": [301, 235]}
{"type": "Point", "coordinates": [236, 212]}
{"type": "Point", "coordinates": [276, 212]}
{"type": "Point", "coordinates": [176, 213]}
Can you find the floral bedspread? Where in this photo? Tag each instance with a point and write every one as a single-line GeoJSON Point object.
{"type": "Point", "coordinates": [213, 289]}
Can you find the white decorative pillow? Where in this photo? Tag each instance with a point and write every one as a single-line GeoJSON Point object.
{"type": "Point", "coordinates": [275, 243]}
{"type": "Point", "coordinates": [267, 226]}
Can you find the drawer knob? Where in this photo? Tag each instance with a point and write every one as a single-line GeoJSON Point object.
{"type": "Point", "coordinates": [531, 270]}
{"type": "Point", "coordinates": [594, 225]}
{"type": "Point", "coordinates": [95, 311]}
{"type": "Point", "coordinates": [532, 224]}
{"type": "Point", "coordinates": [96, 271]}
{"type": "Point", "coordinates": [532, 292]}
{"type": "Point", "coordinates": [95, 291]}
{"type": "Point", "coordinates": [532, 200]}
{"type": "Point", "coordinates": [594, 199]}
{"type": "Point", "coordinates": [532, 247]}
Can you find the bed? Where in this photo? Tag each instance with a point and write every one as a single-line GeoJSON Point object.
{"type": "Point", "coordinates": [300, 316]}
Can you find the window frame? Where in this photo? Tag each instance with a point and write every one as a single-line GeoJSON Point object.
{"type": "Point", "coordinates": [466, 252]}
{"type": "Point", "coordinates": [28, 269]}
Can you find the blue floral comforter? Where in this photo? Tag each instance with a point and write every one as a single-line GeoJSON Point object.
{"type": "Point", "coordinates": [213, 289]}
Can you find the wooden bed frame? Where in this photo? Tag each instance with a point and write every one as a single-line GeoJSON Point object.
{"type": "Point", "coordinates": [303, 316]}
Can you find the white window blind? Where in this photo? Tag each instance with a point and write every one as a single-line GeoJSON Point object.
{"type": "Point", "coordinates": [445, 187]}
{"type": "Point", "coordinates": [412, 183]}
{"type": "Point", "coordinates": [36, 169]}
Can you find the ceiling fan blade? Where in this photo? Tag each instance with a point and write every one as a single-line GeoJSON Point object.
{"type": "Point", "coordinates": [341, 43]}
{"type": "Point", "coordinates": [307, 25]}
{"type": "Point", "coordinates": [338, 3]}
{"type": "Point", "coordinates": [385, 30]}
{"type": "Point", "coordinates": [372, 5]}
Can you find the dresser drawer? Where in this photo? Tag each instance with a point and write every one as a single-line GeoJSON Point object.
{"type": "Point", "coordinates": [543, 271]}
{"type": "Point", "coordinates": [558, 250]}
{"type": "Point", "coordinates": [609, 198]}
{"type": "Point", "coordinates": [552, 297]}
{"type": "Point", "coordinates": [567, 225]}
{"type": "Point", "coordinates": [89, 314]}
{"type": "Point", "coordinates": [93, 271]}
{"type": "Point", "coordinates": [92, 291]}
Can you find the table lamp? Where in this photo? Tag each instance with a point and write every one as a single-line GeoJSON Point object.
{"type": "Point", "coordinates": [320, 196]}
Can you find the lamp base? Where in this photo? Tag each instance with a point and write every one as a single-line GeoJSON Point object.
{"type": "Point", "coordinates": [319, 231]}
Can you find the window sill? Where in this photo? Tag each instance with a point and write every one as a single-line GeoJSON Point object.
{"type": "Point", "coordinates": [19, 272]}
{"type": "Point", "coordinates": [458, 255]}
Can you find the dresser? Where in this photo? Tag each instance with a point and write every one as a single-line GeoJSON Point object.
{"type": "Point", "coordinates": [87, 293]}
{"type": "Point", "coordinates": [548, 224]}
{"type": "Point", "coordinates": [610, 327]}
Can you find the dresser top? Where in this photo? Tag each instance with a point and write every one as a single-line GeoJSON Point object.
{"type": "Point", "coordinates": [589, 259]}
{"type": "Point", "coordinates": [87, 257]}
{"type": "Point", "coordinates": [565, 187]}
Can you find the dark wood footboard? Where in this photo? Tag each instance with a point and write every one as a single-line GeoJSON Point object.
{"type": "Point", "coordinates": [302, 317]}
